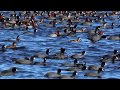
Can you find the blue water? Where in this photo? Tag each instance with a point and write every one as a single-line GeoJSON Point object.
{"type": "Point", "coordinates": [40, 41]}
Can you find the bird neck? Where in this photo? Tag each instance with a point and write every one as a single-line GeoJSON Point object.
{"type": "Point", "coordinates": [17, 39]}
{"type": "Point", "coordinates": [99, 71]}
{"type": "Point", "coordinates": [44, 61]}
{"type": "Point", "coordinates": [73, 75]}
{"type": "Point", "coordinates": [58, 72]}
{"type": "Point", "coordinates": [32, 58]}
{"type": "Point", "coordinates": [75, 63]}
{"type": "Point", "coordinates": [96, 30]}
{"type": "Point", "coordinates": [47, 52]}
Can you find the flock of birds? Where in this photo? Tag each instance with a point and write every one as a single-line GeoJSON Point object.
{"type": "Point", "coordinates": [69, 20]}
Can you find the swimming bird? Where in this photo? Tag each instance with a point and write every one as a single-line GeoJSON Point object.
{"type": "Point", "coordinates": [68, 77]}
{"type": "Point", "coordinates": [96, 37]}
{"type": "Point", "coordinates": [42, 55]}
{"type": "Point", "coordinates": [87, 22]}
{"type": "Point", "coordinates": [57, 56]}
{"type": "Point", "coordinates": [114, 37]}
{"type": "Point", "coordinates": [92, 32]}
{"type": "Point", "coordinates": [56, 34]}
{"type": "Point", "coordinates": [24, 61]}
{"type": "Point", "coordinates": [41, 63]}
{"type": "Point", "coordinates": [94, 67]}
{"type": "Point", "coordinates": [78, 55]}
{"type": "Point", "coordinates": [53, 74]}
{"type": "Point", "coordinates": [60, 55]}
{"type": "Point", "coordinates": [113, 59]}
{"type": "Point", "coordinates": [109, 57]}
{"type": "Point", "coordinates": [3, 48]}
{"type": "Point", "coordinates": [81, 30]}
{"type": "Point", "coordinates": [76, 40]}
{"type": "Point", "coordinates": [10, 71]}
{"type": "Point", "coordinates": [72, 32]}
{"type": "Point", "coordinates": [69, 64]}
{"type": "Point", "coordinates": [12, 46]}
{"type": "Point", "coordinates": [77, 67]}
{"type": "Point", "coordinates": [16, 40]}
{"type": "Point", "coordinates": [93, 74]}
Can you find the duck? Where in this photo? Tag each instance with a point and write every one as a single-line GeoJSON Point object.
{"type": "Point", "coordinates": [81, 65]}
{"type": "Point", "coordinates": [60, 55]}
{"type": "Point", "coordinates": [87, 22]}
{"type": "Point", "coordinates": [41, 63]}
{"type": "Point", "coordinates": [65, 17]}
{"type": "Point", "coordinates": [66, 31]}
{"type": "Point", "coordinates": [53, 74]}
{"type": "Point", "coordinates": [15, 47]}
{"type": "Point", "coordinates": [51, 18]}
{"type": "Point", "coordinates": [107, 26]}
{"type": "Point", "coordinates": [96, 37]}
{"type": "Point", "coordinates": [94, 67]}
{"type": "Point", "coordinates": [69, 64]}
{"type": "Point", "coordinates": [108, 57]}
{"type": "Point", "coordinates": [3, 48]}
{"type": "Point", "coordinates": [24, 61]}
{"type": "Point", "coordinates": [105, 58]}
{"type": "Point", "coordinates": [78, 55]}
{"type": "Point", "coordinates": [81, 30]}
{"type": "Point", "coordinates": [12, 46]}
{"type": "Point", "coordinates": [68, 77]}
{"type": "Point", "coordinates": [99, 20]}
{"type": "Point", "coordinates": [42, 55]}
{"type": "Point", "coordinates": [57, 56]}
{"type": "Point", "coordinates": [114, 58]}
{"type": "Point", "coordinates": [15, 26]}
{"type": "Point", "coordinates": [16, 40]}
{"type": "Point", "coordinates": [75, 21]}
{"type": "Point", "coordinates": [112, 78]}
{"type": "Point", "coordinates": [93, 74]}
{"type": "Point", "coordinates": [8, 72]}
{"type": "Point", "coordinates": [104, 25]}
{"type": "Point", "coordinates": [76, 40]}
{"type": "Point", "coordinates": [92, 32]}
{"type": "Point", "coordinates": [72, 32]}
{"type": "Point", "coordinates": [77, 67]}
{"type": "Point", "coordinates": [114, 37]}
{"type": "Point", "coordinates": [52, 23]}
{"type": "Point", "coordinates": [115, 52]}
{"type": "Point", "coordinates": [56, 34]}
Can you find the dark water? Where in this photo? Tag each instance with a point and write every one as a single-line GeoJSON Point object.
{"type": "Point", "coordinates": [40, 41]}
